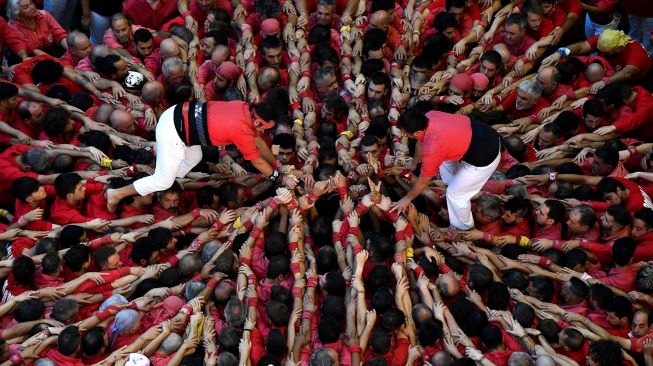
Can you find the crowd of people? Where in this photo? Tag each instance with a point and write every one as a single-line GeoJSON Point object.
{"type": "Point", "coordinates": [326, 182]}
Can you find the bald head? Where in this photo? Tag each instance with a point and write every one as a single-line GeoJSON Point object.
{"type": "Point", "coordinates": [520, 359]}
{"type": "Point", "coordinates": [268, 78]}
{"type": "Point", "coordinates": [122, 121]}
{"type": "Point", "coordinates": [100, 51]}
{"type": "Point", "coordinates": [441, 358]}
{"type": "Point", "coordinates": [380, 19]}
{"type": "Point", "coordinates": [548, 78]}
{"type": "Point", "coordinates": [220, 54]}
{"type": "Point", "coordinates": [152, 92]}
{"type": "Point", "coordinates": [594, 72]}
{"type": "Point", "coordinates": [169, 48]}
{"type": "Point", "coordinates": [171, 344]}
{"type": "Point", "coordinates": [503, 51]}
{"type": "Point", "coordinates": [103, 112]}
{"type": "Point", "coordinates": [448, 285]}
{"type": "Point", "coordinates": [545, 360]}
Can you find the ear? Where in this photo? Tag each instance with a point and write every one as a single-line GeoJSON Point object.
{"type": "Point", "coordinates": [550, 221]}
{"type": "Point", "coordinates": [419, 134]}
{"type": "Point", "coordinates": [143, 262]}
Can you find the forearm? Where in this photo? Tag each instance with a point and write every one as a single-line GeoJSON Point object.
{"type": "Point", "coordinates": [419, 186]}
{"type": "Point", "coordinates": [262, 166]}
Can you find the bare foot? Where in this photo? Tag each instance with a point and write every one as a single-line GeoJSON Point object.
{"type": "Point", "coordinates": [112, 200]}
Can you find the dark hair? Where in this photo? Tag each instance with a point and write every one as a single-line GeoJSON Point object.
{"type": "Point", "coordinates": [623, 250]}
{"type": "Point", "coordinates": [645, 214]}
{"type": "Point", "coordinates": [69, 340]}
{"type": "Point", "coordinates": [81, 100]}
{"type": "Point", "coordinates": [46, 72]}
{"type": "Point", "coordinates": [557, 210]}
{"type": "Point", "coordinates": [66, 183]}
{"type": "Point", "coordinates": [279, 265]}
{"type": "Point", "coordinates": [605, 353]}
{"type": "Point", "coordinates": [413, 119]}
{"type": "Point", "coordinates": [498, 296]}
{"type": "Point", "coordinates": [524, 314]}
{"type": "Point", "coordinates": [443, 21]}
{"type": "Point", "coordinates": [51, 263]}
{"type": "Point", "coordinates": [544, 287]}
{"type": "Point", "coordinates": [24, 187]}
{"type": "Point", "coordinates": [142, 35]}
{"type": "Point", "coordinates": [58, 91]}
{"type": "Point", "coordinates": [71, 235]}
{"type": "Point", "coordinates": [491, 336]}
{"type": "Point", "coordinates": [620, 214]}
{"type": "Point", "coordinates": [102, 254]}
{"type": "Point", "coordinates": [93, 340]}
{"type": "Point", "coordinates": [76, 256]}
{"type": "Point", "coordinates": [179, 93]}
{"type": "Point", "coordinates": [601, 294]}
{"type": "Point", "coordinates": [142, 250]}
{"type": "Point", "coordinates": [29, 310]}
{"type": "Point", "coordinates": [55, 121]}
{"type": "Point", "coordinates": [7, 91]}
{"type": "Point", "coordinates": [429, 332]}
{"type": "Point", "coordinates": [328, 330]}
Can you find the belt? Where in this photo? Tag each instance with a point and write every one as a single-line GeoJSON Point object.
{"type": "Point", "coordinates": [191, 123]}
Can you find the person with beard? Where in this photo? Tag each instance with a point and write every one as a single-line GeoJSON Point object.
{"type": "Point", "coordinates": [522, 107]}
{"type": "Point", "coordinates": [226, 75]}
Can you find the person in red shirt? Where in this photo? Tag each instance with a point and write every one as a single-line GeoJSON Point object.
{"type": "Point", "coordinates": [79, 48]}
{"type": "Point", "coordinates": [523, 105]}
{"type": "Point", "coordinates": [227, 74]}
{"type": "Point", "coordinates": [464, 151]}
{"type": "Point", "coordinates": [627, 56]}
{"type": "Point", "coordinates": [68, 347]}
{"type": "Point", "coordinates": [514, 36]}
{"type": "Point", "coordinates": [178, 124]}
{"type": "Point", "coordinates": [640, 101]}
{"type": "Point", "coordinates": [150, 14]}
{"type": "Point", "coordinates": [32, 29]}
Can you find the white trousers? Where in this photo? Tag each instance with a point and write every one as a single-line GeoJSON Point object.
{"type": "Point", "coordinates": [592, 29]}
{"type": "Point", "coordinates": [464, 181]}
{"type": "Point", "coordinates": [173, 158]}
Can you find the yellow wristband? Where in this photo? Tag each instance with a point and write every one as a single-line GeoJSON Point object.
{"type": "Point", "coordinates": [106, 163]}
{"type": "Point", "coordinates": [349, 134]}
{"type": "Point", "coordinates": [3, 212]}
{"type": "Point", "coordinates": [524, 241]}
{"type": "Point", "coordinates": [345, 28]}
{"type": "Point", "coordinates": [410, 252]}
{"type": "Point", "coordinates": [237, 224]}
{"type": "Point", "coordinates": [299, 122]}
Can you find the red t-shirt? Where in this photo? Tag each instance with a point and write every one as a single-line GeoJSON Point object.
{"type": "Point", "coordinates": [634, 54]}
{"type": "Point", "coordinates": [46, 33]}
{"type": "Point", "coordinates": [447, 137]}
{"type": "Point", "coordinates": [141, 13]}
{"type": "Point", "coordinates": [231, 123]}
{"type": "Point", "coordinates": [509, 107]}
{"type": "Point", "coordinates": [11, 170]}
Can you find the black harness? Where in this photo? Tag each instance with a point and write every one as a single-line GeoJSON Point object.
{"type": "Point", "coordinates": [191, 124]}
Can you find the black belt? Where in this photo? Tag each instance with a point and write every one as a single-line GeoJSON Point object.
{"type": "Point", "coordinates": [195, 131]}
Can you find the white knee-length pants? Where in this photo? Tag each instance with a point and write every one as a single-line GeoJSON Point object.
{"type": "Point", "coordinates": [174, 159]}
{"type": "Point", "coordinates": [464, 181]}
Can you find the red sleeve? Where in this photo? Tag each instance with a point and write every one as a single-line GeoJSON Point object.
{"type": "Point", "coordinates": [399, 353]}
{"type": "Point", "coordinates": [14, 41]}
{"type": "Point", "coordinates": [606, 6]}
{"type": "Point", "coordinates": [509, 102]}
{"type": "Point", "coordinates": [93, 187]}
{"type": "Point", "coordinates": [431, 160]}
{"type": "Point", "coordinates": [58, 33]}
{"type": "Point", "coordinates": [22, 72]}
{"type": "Point", "coordinates": [598, 206]}
{"type": "Point", "coordinates": [152, 63]}
{"type": "Point", "coordinates": [602, 252]}
{"type": "Point", "coordinates": [258, 349]}
{"type": "Point", "coordinates": [632, 122]}
{"type": "Point", "coordinates": [593, 42]}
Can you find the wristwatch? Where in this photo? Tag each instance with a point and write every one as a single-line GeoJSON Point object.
{"type": "Point", "coordinates": [564, 51]}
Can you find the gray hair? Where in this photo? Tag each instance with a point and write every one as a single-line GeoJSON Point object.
{"type": "Point", "coordinates": [545, 360]}
{"type": "Point", "coordinates": [44, 362]}
{"type": "Point", "coordinates": [227, 359]}
{"type": "Point", "coordinates": [64, 310]}
{"type": "Point", "coordinates": [171, 344]}
{"type": "Point", "coordinates": [37, 159]}
{"type": "Point", "coordinates": [520, 359]}
{"type": "Point", "coordinates": [209, 250]}
{"type": "Point", "coordinates": [170, 62]}
{"type": "Point", "coordinates": [489, 205]}
{"type": "Point", "coordinates": [532, 87]}
{"type": "Point", "coordinates": [235, 312]}
{"type": "Point", "coordinates": [193, 289]}
{"type": "Point", "coordinates": [518, 19]}
{"type": "Point", "coordinates": [644, 280]}
{"type": "Point", "coordinates": [73, 38]}
{"type": "Point", "coordinates": [517, 190]}
{"type": "Point", "coordinates": [13, 9]}
{"type": "Point", "coordinates": [321, 357]}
